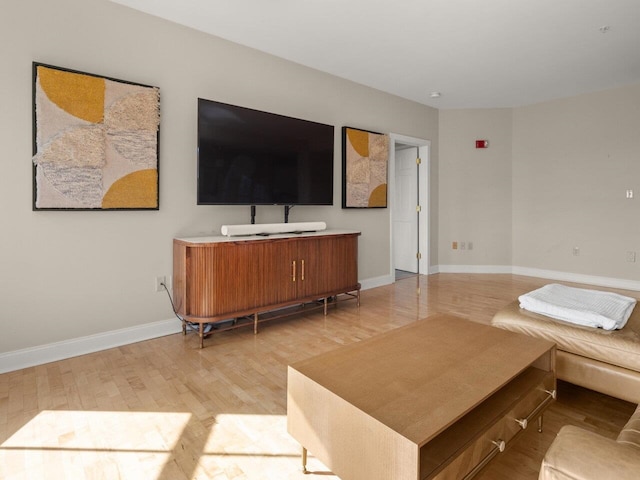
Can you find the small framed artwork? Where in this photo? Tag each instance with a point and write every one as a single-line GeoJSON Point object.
{"type": "Point", "coordinates": [365, 163]}
{"type": "Point", "coordinates": [95, 142]}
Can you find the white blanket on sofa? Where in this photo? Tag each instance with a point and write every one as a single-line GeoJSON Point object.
{"type": "Point", "coordinates": [592, 308]}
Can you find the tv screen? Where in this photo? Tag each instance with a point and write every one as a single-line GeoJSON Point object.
{"type": "Point", "coordinates": [249, 157]}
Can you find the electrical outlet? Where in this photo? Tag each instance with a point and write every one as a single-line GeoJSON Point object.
{"type": "Point", "coordinates": [629, 193]}
{"type": "Point", "coordinates": [463, 246]}
{"type": "Point", "coordinates": [158, 283]}
{"type": "Point", "coordinates": [631, 257]}
{"type": "Point", "coordinates": [576, 251]}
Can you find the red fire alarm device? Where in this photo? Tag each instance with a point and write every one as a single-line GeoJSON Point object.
{"type": "Point", "coordinates": [482, 143]}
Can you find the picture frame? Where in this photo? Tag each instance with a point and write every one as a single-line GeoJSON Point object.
{"type": "Point", "coordinates": [365, 165]}
{"type": "Point", "coordinates": [95, 142]}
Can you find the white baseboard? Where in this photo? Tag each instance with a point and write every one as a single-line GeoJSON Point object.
{"type": "Point", "coordinates": [611, 282]}
{"type": "Point", "coordinates": [376, 282]}
{"type": "Point", "coordinates": [474, 269]}
{"type": "Point", "coordinates": [52, 352]}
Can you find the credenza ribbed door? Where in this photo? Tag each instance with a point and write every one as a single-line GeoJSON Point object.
{"type": "Point", "coordinates": [327, 264]}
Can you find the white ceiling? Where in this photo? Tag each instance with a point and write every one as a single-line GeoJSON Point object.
{"type": "Point", "coordinates": [478, 54]}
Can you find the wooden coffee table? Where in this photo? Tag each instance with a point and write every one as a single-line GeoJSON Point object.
{"type": "Point", "coordinates": [433, 400]}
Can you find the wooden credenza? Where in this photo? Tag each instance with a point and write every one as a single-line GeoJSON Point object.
{"type": "Point", "coordinates": [232, 278]}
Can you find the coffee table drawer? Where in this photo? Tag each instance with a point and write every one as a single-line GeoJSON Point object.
{"type": "Point", "coordinates": [464, 448]}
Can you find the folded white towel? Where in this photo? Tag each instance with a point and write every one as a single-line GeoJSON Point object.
{"type": "Point", "coordinates": [591, 308]}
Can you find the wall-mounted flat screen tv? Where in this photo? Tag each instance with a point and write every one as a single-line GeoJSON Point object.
{"type": "Point", "coordinates": [249, 157]}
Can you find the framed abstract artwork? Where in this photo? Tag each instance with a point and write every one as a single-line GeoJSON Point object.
{"type": "Point", "coordinates": [365, 162]}
{"type": "Point", "coordinates": [95, 142]}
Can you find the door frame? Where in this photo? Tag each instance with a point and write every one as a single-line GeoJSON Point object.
{"type": "Point", "coordinates": [424, 148]}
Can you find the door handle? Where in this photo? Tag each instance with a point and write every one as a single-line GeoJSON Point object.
{"type": "Point", "coordinates": [293, 270]}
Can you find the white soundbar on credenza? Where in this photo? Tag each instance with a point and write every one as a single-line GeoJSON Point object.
{"type": "Point", "coordinates": [271, 228]}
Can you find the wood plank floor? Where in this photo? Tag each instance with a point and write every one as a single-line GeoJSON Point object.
{"type": "Point", "coordinates": [164, 409]}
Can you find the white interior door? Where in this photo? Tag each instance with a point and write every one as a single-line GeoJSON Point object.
{"type": "Point", "coordinates": [408, 190]}
{"type": "Point", "coordinates": [405, 218]}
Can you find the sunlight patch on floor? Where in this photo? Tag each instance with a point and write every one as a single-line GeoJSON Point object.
{"type": "Point", "coordinates": [154, 446]}
{"type": "Point", "coordinates": [79, 444]}
{"type": "Point", "coordinates": [259, 446]}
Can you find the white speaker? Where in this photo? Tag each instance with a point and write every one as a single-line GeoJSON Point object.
{"type": "Point", "coordinates": [271, 228]}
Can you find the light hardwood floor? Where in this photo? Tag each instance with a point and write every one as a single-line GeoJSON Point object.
{"type": "Point", "coordinates": [164, 409]}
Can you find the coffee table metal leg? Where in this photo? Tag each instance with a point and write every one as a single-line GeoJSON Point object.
{"type": "Point", "coordinates": [304, 460]}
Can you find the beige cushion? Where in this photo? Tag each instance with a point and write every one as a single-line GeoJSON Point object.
{"type": "Point", "coordinates": [630, 434]}
{"type": "Point", "coordinates": [578, 454]}
{"type": "Point", "coordinates": [616, 347]}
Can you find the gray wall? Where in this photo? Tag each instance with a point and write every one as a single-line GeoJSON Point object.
{"type": "Point", "coordinates": [475, 187]}
{"type": "Point", "coordinates": [67, 275]}
{"type": "Point", "coordinates": [573, 160]}
{"type": "Point", "coordinates": [553, 178]}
